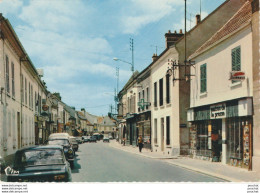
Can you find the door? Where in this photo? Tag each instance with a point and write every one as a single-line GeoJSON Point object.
{"type": "Point", "coordinates": [18, 130]}
{"type": "Point", "coordinates": [216, 137]}
{"type": "Point", "coordinates": [162, 134]}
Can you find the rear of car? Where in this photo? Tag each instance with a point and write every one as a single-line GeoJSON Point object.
{"type": "Point", "coordinates": [39, 164]}
{"type": "Point", "coordinates": [75, 144]}
{"type": "Point", "coordinates": [67, 147]}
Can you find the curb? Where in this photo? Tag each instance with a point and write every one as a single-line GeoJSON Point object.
{"type": "Point", "coordinates": [205, 172]}
{"type": "Point", "coordinates": [143, 155]}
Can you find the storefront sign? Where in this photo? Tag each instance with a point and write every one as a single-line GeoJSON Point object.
{"type": "Point", "coordinates": [218, 111]}
{"type": "Point", "coordinates": [142, 103]}
{"type": "Point", "coordinates": [237, 75]}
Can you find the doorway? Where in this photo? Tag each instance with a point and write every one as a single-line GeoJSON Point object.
{"type": "Point", "coordinates": [162, 134]}
{"type": "Point", "coordinates": [216, 137]}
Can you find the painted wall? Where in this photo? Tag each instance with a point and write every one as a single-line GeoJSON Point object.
{"type": "Point", "coordinates": [219, 64]}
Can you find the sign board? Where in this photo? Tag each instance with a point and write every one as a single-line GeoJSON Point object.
{"type": "Point", "coordinates": [237, 75]}
{"type": "Point", "coordinates": [218, 111]}
{"type": "Point", "coordinates": [141, 104]}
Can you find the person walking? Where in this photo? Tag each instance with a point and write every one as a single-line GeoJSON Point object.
{"type": "Point", "coordinates": [140, 143]}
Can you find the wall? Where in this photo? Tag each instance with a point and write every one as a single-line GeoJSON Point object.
{"type": "Point", "coordinates": [218, 60]}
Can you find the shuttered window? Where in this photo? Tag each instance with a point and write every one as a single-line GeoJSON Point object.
{"type": "Point", "coordinates": [236, 59]}
{"type": "Point", "coordinates": [203, 78]}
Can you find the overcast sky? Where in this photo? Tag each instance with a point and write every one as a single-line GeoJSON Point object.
{"type": "Point", "coordinates": [75, 41]}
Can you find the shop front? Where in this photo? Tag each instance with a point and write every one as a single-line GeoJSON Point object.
{"type": "Point", "coordinates": [221, 132]}
{"type": "Point", "coordinates": [144, 128]}
{"type": "Point", "coordinates": [131, 134]}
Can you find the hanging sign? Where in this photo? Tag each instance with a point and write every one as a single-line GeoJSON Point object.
{"type": "Point", "coordinates": [141, 104]}
{"type": "Point", "coordinates": [237, 75]}
{"type": "Point", "coordinates": [218, 111]}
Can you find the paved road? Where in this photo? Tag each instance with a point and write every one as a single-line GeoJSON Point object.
{"type": "Point", "coordinates": [98, 162]}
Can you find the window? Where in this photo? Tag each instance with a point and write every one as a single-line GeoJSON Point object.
{"type": "Point", "coordinates": [161, 91]}
{"type": "Point", "coordinates": [168, 130]}
{"type": "Point", "coordinates": [167, 89]}
{"type": "Point", "coordinates": [7, 74]}
{"type": "Point", "coordinates": [155, 131]}
{"type": "Point", "coordinates": [22, 89]}
{"type": "Point", "coordinates": [236, 59]}
{"type": "Point", "coordinates": [203, 78]}
{"type": "Point", "coordinates": [25, 87]}
{"type": "Point", "coordinates": [29, 96]}
{"type": "Point", "coordinates": [35, 101]}
{"type": "Point", "coordinates": [13, 87]}
{"type": "Point", "coordinates": [147, 97]}
{"type": "Point", "coordinates": [155, 94]}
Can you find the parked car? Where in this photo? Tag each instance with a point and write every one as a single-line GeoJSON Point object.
{"type": "Point", "coordinates": [86, 139]}
{"type": "Point", "coordinates": [79, 140]}
{"type": "Point", "coordinates": [106, 139]}
{"type": "Point", "coordinates": [67, 147]}
{"type": "Point", "coordinates": [39, 164]}
{"type": "Point", "coordinates": [93, 139]}
{"type": "Point", "coordinates": [2, 164]}
{"type": "Point", "coordinates": [74, 142]}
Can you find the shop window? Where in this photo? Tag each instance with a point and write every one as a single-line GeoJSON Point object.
{"type": "Point", "coordinates": [202, 139]}
{"type": "Point", "coordinates": [235, 138]}
{"type": "Point", "coordinates": [203, 78]}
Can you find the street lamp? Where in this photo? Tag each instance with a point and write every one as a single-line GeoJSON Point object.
{"type": "Point", "coordinates": [132, 64]}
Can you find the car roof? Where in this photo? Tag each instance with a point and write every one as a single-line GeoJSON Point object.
{"type": "Point", "coordinates": [41, 147]}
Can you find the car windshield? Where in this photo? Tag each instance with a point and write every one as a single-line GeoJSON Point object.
{"type": "Point", "coordinates": [58, 142]}
{"type": "Point", "coordinates": [39, 157]}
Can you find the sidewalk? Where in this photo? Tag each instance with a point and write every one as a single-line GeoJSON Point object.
{"type": "Point", "coordinates": [216, 169]}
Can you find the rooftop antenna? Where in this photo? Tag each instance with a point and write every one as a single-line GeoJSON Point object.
{"type": "Point", "coordinates": [200, 9]}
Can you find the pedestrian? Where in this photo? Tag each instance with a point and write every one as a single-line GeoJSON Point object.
{"type": "Point", "coordinates": [140, 143]}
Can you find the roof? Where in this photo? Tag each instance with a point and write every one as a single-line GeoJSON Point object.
{"type": "Point", "coordinates": [41, 147]}
{"type": "Point", "coordinates": [81, 115]}
{"type": "Point", "coordinates": [91, 118]}
{"type": "Point", "coordinates": [240, 18]}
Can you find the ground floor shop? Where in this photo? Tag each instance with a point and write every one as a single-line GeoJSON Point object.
{"type": "Point", "coordinates": [144, 128]}
{"type": "Point", "coordinates": [222, 132]}
{"type": "Point", "coordinates": [131, 134]}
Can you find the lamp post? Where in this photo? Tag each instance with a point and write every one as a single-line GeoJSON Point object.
{"type": "Point", "coordinates": [132, 64]}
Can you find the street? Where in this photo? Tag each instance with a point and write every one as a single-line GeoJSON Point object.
{"type": "Point", "coordinates": [99, 162]}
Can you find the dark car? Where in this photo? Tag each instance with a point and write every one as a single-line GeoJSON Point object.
{"type": "Point", "coordinates": [106, 139]}
{"type": "Point", "coordinates": [93, 139]}
{"type": "Point", "coordinates": [79, 140]}
{"type": "Point", "coordinates": [86, 139]}
{"type": "Point", "coordinates": [67, 147]}
{"type": "Point", "coordinates": [39, 164]}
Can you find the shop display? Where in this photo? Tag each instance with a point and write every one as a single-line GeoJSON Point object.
{"type": "Point", "coordinates": [246, 143]}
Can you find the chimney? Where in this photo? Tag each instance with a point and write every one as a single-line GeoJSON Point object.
{"type": "Point", "coordinates": [197, 19]}
{"type": "Point", "coordinates": [255, 5]}
{"type": "Point", "coordinates": [154, 57]}
{"type": "Point", "coordinates": [172, 38]}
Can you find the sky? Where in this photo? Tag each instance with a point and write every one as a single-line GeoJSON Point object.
{"type": "Point", "coordinates": [75, 41]}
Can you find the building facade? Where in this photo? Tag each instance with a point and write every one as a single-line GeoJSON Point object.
{"type": "Point", "coordinates": [221, 113]}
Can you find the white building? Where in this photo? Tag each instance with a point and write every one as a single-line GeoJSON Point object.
{"type": "Point", "coordinates": [21, 93]}
{"type": "Point", "coordinates": [221, 107]}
